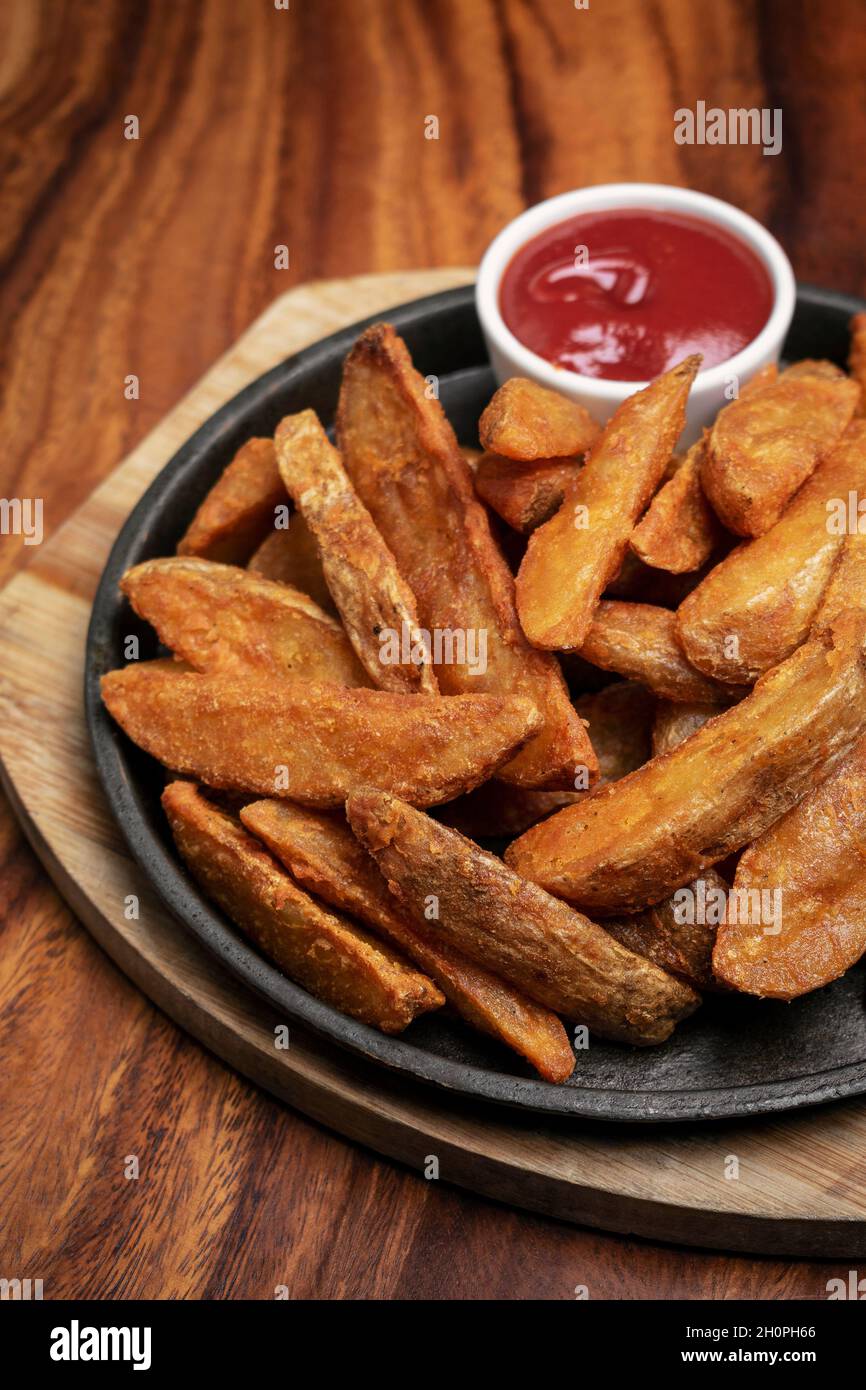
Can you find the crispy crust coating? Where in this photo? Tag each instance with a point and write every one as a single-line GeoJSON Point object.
{"type": "Point", "coordinates": [314, 742]}
{"type": "Point", "coordinates": [538, 943]}
{"type": "Point", "coordinates": [238, 512]}
{"type": "Point", "coordinates": [290, 556]}
{"type": "Point", "coordinates": [360, 571]}
{"type": "Point", "coordinates": [401, 454]}
{"type": "Point", "coordinates": [764, 445]}
{"type": "Point", "coordinates": [525, 422]}
{"type": "Point", "coordinates": [320, 851]}
{"type": "Point", "coordinates": [679, 531]}
{"type": "Point", "coordinates": [816, 856]}
{"type": "Point", "coordinates": [639, 641]}
{"type": "Point", "coordinates": [328, 955]}
{"type": "Point", "coordinates": [571, 558]}
{"type": "Point", "coordinates": [527, 496]}
{"type": "Point", "coordinates": [633, 842]}
{"type": "Point", "coordinates": [757, 606]}
{"type": "Point", "coordinates": [222, 619]}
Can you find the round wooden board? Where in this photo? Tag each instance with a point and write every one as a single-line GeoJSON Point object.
{"type": "Point", "coordinates": [788, 1185]}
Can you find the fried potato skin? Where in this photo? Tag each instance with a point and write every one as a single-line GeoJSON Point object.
{"type": "Point", "coordinates": [329, 956]}
{"type": "Point", "coordinates": [567, 567]}
{"type": "Point", "coordinates": [222, 619]}
{"type": "Point", "coordinates": [359, 569]}
{"type": "Point", "coordinates": [682, 948]}
{"type": "Point", "coordinates": [857, 359]}
{"type": "Point", "coordinates": [527, 496]}
{"type": "Point", "coordinates": [538, 943]}
{"type": "Point", "coordinates": [816, 855]}
{"type": "Point", "coordinates": [633, 842]}
{"type": "Point", "coordinates": [290, 556]}
{"type": "Point", "coordinates": [680, 530]}
{"type": "Point", "coordinates": [239, 509]}
{"type": "Point", "coordinates": [401, 454]}
{"type": "Point", "coordinates": [321, 852]}
{"type": "Point", "coordinates": [766, 592]}
{"type": "Point", "coordinates": [639, 641]}
{"type": "Point", "coordinates": [674, 723]}
{"type": "Point", "coordinates": [524, 422]}
{"type": "Point", "coordinates": [313, 742]}
{"type": "Point", "coordinates": [764, 445]}
{"type": "Point", "coordinates": [846, 588]}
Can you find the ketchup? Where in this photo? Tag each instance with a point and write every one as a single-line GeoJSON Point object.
{"type": "Point", "coordinates": [626, 294]}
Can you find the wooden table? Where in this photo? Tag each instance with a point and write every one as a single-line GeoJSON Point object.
{"type": "Point", "coordinates": [259, 128]}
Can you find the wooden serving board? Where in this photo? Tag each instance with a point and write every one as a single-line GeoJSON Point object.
{"type": "Point", "coordinates": [801, 1184]}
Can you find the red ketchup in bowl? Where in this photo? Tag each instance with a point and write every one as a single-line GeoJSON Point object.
{"type": "Point", "coordinates": [627, 293]}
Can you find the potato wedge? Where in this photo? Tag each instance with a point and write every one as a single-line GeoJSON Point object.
{"type": "Point", "coordinates": [373, 598]}
{"type": "Point", "coordinates": [846, 587]}
{"type": "Point", "coordinates": [314, 742]}
{"type": "Point", "coordinates": [222, 619]}
{"type": "Point", "coordinates": [524, 496]}
{"type": "Point", "coordinates": [758, 604]}
{"type": "Point", "coordinates": [857, 359]}
{"type": "Point", "coordinates": [290, 556]}
{"type": "Point", "coordinates": [633, 842]}
{"type": "Point", "coordinates": [571, 558]}
{"type": "Point", "coordinates": [323, 855]}
{"type": "Point", "coordinates": [238, 512]}
{"type": "Point", "coordinates": [677, 939]}
{"type": "Point", "coordinates": [331, 957]}
{"type": "Point", "coordinates": [674, 723]}
{"type": "Point", "coordinates": [812, 861]}
{"type": "Point", "coordinates": [525, 422]}
{"type": "Point", "coordinates": [401, 454]}
{"type": "Point", "coordinates": [639, 641]}
{"type": "Point", "coordinates": [640, 583]}
{"type": "Point", "coordinates": [765, 445]}
{"type": "Point", "coordinates": [679, 531]}
{"type": "Point", "coordinates": [479, 906]}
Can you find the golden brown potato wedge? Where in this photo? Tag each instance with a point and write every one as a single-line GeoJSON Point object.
{"type": "Point", "coordinates": [674, 723]}
{"type": "Point", "coordinates": [238, 512]}
{"type": "Point", "coordinates": [633, 842]}
{"type": "Point", "coordinates": [846, 588]}
{"type": "Point", "coordinates": [320, 851]}
{"type": "Point", "coordinates": [678, 934]}
{"type": "Point", "coordinates": [812, 866]}
{"type": "Point", "coordinates": [222, 619]}
{"type": "Point", "coordinates": [639, 641]}
{"type": "Point", "coordinates": [765, 445]}
{"type": "Point", "coordinates": [328, 955]}
{"type": "Point", "coordinates": [680, 530]}
{"type": "Point", "coordinates": [476, 904]}
{"type": "Point", "coordinates": [314, 742]}
{"type": "Point", "coordinates": [525, 422]}
{"type": "Point", "coordinates": [857, 359]}
{"type": "Point", "coordinates": [401, 454]}
{"type": "Point", "coordinates": [290, 556]}
{"type": "Point", "coordinates": [524, 496]}
{"type": "Point", "coordinates": [375, 602]}
{"type": "Point", "coordinates": [758, 604]}
{"type": "Point", "coordinates": [571, 558]}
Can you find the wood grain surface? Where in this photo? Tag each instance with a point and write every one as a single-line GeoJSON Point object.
{"type": "Point", "coordinates": [305, 128]}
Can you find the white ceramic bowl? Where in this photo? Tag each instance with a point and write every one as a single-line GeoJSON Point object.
{"type": "Point", "coordinates": [510, 357]}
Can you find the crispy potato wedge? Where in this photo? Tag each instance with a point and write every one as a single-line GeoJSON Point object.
{"type": "Point", "coordinates": [674, 723]}
{"type": "Point", "coordinates": [758, 604]}
{"type": "Point", "coordinates": [373, 598]}
{"type": "Point", "coordinates": [238, 512]}
{"type": "Point", "coordinates": [524, 497]}
{"type": "Point", "coordinates": [571, 558]}
{"type": "Point", "coordinates": [633, 842]}
{"type": "Point", "coordinates": [639, 641]}
{"type": "Point", "coordinates": [857, 359]}
{"type": "Point", "coordinates": [813, 861]}
{"type": "Point", "coordinates": [328, 955]}
{"type": "Point", "coordinates": [401, 454]}
{"type": "Point", "coordinates": [543, 947]}
{"type": "Point", "coordinates": [222, 619]}
{"type": "Point", "coordinates": [846, 588]}
{"type": "Point", "coordinates": [666, 936]}
{"type": "Point", "coordinates": [320, 851]}
{"type": "Point", "coordinates": [764, 445]}
{"type": "Point", "coordinates": [290, 556]}
{"type": "Point", "coordinates": [679, 531]}
{"type": "Point", "coordinates": [314, 742]}
{"type": "Point", "coordinates": [525, 422]}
